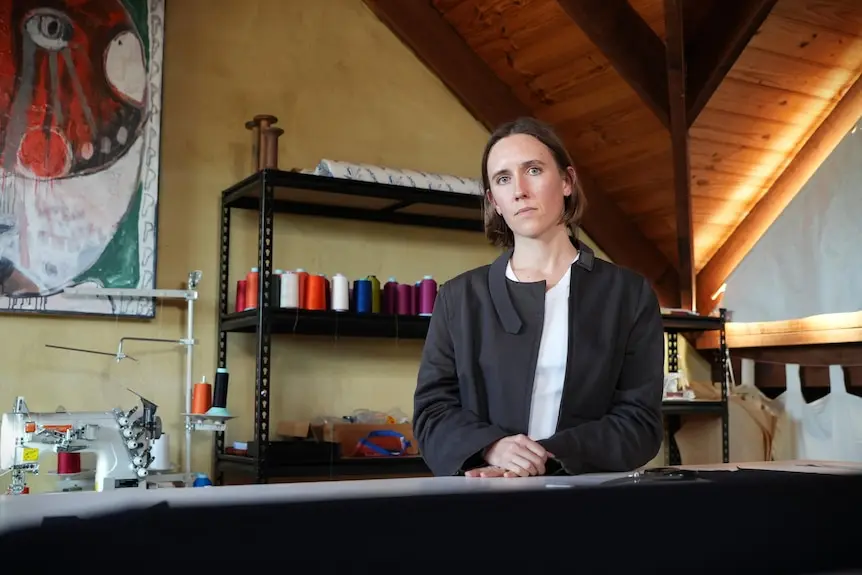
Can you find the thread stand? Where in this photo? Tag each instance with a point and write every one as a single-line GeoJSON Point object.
{"type": "Point", "coordinates": [190, 295]}
{"type": "Point", "coordinates": [269, 139]}
{"type": "Point", "coordinates": [262, 140]}
{"type": "Point", "coordinates": [205, 422]}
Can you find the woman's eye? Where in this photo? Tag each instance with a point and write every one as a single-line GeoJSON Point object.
{"type": "Point", "coordinates": [502, 179]}
{"type": "Point", "coordinates": [534, 171]}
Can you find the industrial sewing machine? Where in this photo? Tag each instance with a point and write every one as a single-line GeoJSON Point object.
{"type": "Point", "coordinates": [122, 444]}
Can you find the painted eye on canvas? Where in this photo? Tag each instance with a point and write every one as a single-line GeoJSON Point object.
{"type": "Point", "coordinates": [49, 29]}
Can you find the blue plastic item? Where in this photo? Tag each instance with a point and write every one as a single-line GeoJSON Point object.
{"type": "Point", "coordinates": [202, 481]}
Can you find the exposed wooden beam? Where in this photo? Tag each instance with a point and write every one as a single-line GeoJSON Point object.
{"type": "Point", "coordinates": [676, 75]}
{"type": "Point", "coordinates": [423, 29]}
{"type": "Point", "coordinates": [813, 153]}
{"type": "Point", "coordinates": [712, 53]}
{"type": "Point", "coordinates": [631, 46]}
{"type": "Point", "coordinates": [439, 46]}
{"type": "Point", "coordinates": [626, 244]}
{"type": "Point", "coordinates": [817, 330]}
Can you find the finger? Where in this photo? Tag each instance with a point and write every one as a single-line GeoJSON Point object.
{"type": "Point", "coordinates": [488, 471]}
{"type": "Point", "coordinates": [537, 463]}
{"type": "Point", "coordinates": [522, 465]}
{"type": "Point", "coordinates": [536, 448]}
{"type": "Point", "coordinates": [536, 467]}
{"type": "Point", "coordinates": [511, 465]}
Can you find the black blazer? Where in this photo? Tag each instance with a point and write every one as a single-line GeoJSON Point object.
{"type": "Point", "coordinates": [476, 375]}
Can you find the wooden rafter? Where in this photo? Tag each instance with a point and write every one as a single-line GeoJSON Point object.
{"type": "Point", "coordinates": [815, 330]}
{"type": "Point", "coordinates": [819, 146]}
{"type": "Point", "coordinates": [728, 29]}
{"type": "Point", "coordinates": [423, 29]}
{"type": "Point", "coordinates": [676, 75]}
{"type": "Point", "coordinates": [676, 79]}
{"type": "Point", "coordinates": [630, 45]}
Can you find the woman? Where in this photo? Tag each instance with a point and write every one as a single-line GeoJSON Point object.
{"type": "Point", "coordinates": [548, 360]}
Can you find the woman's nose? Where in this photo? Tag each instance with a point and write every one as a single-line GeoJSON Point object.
{"type": "Point", "coordinates": [521, 189]}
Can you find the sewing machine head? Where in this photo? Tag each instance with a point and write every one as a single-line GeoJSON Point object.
{"type": "Point", "coordinates": [121, 443]}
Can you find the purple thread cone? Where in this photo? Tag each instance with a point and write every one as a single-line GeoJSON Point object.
{"type": "Point", "coordinates": [427, 295]}
{"type": "Point", "coordinates": [390, 296]}
{"type": "Point", "coordinates": [405, 299]}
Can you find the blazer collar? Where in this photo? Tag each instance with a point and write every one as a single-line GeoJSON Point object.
{"type": "Point", "coordinates": [500, 296]}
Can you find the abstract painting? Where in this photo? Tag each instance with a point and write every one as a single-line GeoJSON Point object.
{"type": "Point", "coordinates": [80, 115]}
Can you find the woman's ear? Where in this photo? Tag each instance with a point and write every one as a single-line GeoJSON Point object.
{"type": "Point", "coordinates": [490, 199]}
{"type": "Point", "coordinates": [569, 181]}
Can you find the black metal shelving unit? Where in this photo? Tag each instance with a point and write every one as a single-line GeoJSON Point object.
{"type": "Point", "coordinates": [275, 191]}
{"type": "Point", "coordinates": [674, 326]}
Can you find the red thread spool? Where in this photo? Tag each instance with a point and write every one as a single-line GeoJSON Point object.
{"type": "Point", "coordinates": [68, 463]}
{"type": "Point", "coordinates": [252, 281]}
{"type": "Point", "coordinates": [302, 281]}
{"type": "Point", "coordinates": [315, 292]}
{"type": "Point", "coordinates": [202, 397]}
{"type": "Point", "coordinates": [240, 296]}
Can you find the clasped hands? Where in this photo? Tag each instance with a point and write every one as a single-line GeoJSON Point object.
{"type": "Point", "coordinates": [513, 456]}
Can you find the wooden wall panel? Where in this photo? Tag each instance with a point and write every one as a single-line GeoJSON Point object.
{"type": "Point", "coordinates": [786, 81]}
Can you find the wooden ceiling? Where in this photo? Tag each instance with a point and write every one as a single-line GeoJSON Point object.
{"type": "Point", "coordinates": [681, 115]}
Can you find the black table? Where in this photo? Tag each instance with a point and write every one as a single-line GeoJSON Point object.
{"type": "Point", "coordinates": [717, 522]}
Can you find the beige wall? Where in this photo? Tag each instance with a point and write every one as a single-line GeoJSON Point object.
{"type": "Point", "coordinates": [344, 88]}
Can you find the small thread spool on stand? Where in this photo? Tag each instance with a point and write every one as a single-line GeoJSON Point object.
{"type": "Point", "coordinates": [270, 137]}
{"type": "Point", "coordinates": [258, 126]}
{"type": "Point", "coordinates": [202, 397]}
{"type": "Point", "coordinates": [68, 463]}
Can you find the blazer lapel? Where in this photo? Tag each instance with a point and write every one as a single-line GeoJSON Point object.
{"type": "Point", "coordinates": [577, 362]}
{"type": "Point", "coordinates": [516, 346]}
{"type": "Point", "coordinates": [498, 285]}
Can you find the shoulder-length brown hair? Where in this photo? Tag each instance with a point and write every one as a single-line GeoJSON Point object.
{"type": "Point", "coordinates": [496, 229]}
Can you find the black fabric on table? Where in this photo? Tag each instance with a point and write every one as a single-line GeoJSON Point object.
{"type": "Point", "coordinates": [740, 522]}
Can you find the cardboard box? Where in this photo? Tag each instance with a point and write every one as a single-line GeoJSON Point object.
{"type": "Point", "coordinates": [346, 434]}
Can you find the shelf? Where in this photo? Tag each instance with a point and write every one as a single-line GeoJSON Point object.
{"type": "Point", "coordinates": [683, 407]}
{"type": "Point", "coordinates": [341, 467]}
{"type": "Point", "coordinates": [331, 323]}
{"type": "Point", "coordinates": [325, 196]}
{"type": "Point", "coordinates": [678, 323]}
{"type": "Point", "coordinates": [351, 324]}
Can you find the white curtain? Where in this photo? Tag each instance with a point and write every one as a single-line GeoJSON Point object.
{"type": "Point", "coordinates": [809, 262]}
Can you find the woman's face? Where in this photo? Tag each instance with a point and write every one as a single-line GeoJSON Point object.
{"type": "Point", "coordinates": [527, 187]}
